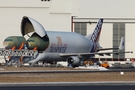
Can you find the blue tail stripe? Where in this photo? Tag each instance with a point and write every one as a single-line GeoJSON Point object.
{"type": "Point", "coordinates": [97, 30]}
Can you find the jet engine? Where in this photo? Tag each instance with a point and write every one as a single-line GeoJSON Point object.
{"type": "Point", "coordinates": [14, 41]}
{"type": "Point", "coordinates": [74, 61]}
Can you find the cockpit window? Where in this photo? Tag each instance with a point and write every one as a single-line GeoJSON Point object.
{"type": "Point", "coordinates": [8, 39]}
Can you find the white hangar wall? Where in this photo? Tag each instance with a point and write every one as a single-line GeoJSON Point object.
{"type": "Point", "coordinates": [56, 15]}
{"type": "Point", "coordinates": [121, 9]}
{"type": "Point", "coordinates": [107, 8]}
{"type": "Point", "coordinates": [107, 39]}
{"type": "Point", "coordinates": [50, 14]}
{"type": "Point", "coordinates": [130, 39]}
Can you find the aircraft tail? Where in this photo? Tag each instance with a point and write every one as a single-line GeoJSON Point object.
{"type": "Point", "coordinates": [122, 44]}
{"type": "Point", "coordinates": [94, 37]}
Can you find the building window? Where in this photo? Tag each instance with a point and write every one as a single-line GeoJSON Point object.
{"type": "Point", "coordinates": [118, 32]}
{"type": "Point", "coordinates": [80, 28]}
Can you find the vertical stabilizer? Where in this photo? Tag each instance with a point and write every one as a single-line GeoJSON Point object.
{"type": "Point", "coordinates": [96, 34]}
{"type": "Point", "coordinates": [122, 44]}
{"type": "Point", "coordinates": [94, 37]}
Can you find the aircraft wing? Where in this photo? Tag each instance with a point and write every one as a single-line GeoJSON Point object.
{"type": "Point", "coordinates": [92, 54]}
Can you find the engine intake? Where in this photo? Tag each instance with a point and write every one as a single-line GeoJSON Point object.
{"type": "Point", "coordinates": [74, 61]}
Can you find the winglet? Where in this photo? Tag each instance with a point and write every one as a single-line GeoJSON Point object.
{"type": "Point", "coordinates": [122, 44]}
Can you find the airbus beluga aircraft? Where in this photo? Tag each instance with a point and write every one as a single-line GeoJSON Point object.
{"type": "Point", "coordinates": [56, 46]}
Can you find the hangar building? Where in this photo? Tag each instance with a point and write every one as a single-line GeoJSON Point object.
{"type": "Point", "coordinates": [74, 15]}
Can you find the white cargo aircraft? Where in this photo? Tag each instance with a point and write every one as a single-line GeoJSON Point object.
{"type": "Point", "coordinates": [58, 46]}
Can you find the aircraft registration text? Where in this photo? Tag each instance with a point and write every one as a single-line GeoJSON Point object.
{"type": "Point", "coordinates": [58, 48]}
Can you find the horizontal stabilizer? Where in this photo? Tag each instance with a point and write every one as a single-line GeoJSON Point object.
{"type": "Point", "coordinates": [121, 46]}
{"type": "Point", "coordinates": [102, 49]}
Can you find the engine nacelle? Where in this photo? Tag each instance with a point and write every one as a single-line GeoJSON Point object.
{"type": "Point", "coordinates": [74, 61]}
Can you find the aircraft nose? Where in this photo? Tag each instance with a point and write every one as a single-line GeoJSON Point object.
{"type": "Point", "coordinates": [7, 44]}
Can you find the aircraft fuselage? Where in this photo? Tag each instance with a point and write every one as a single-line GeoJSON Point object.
{"type": "Point", "coordinates": [64, 42]}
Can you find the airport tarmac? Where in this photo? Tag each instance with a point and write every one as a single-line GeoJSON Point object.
{"type": "Point", "coordinates": [40, 74]}
{"type": "Point", "coordinates": [65, 78]}
{"type": "Point", "coordinates": [69, 86]}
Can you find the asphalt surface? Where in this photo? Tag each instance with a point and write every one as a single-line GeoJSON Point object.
{"type": "Point", "coordinates": [121, 87]}
{"type": "Point", "coordinates": [70, 86]}
{"type": "Point", "coordinates": [66, 71]}
{"type": "Point", "coordinates": [128, 85]}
